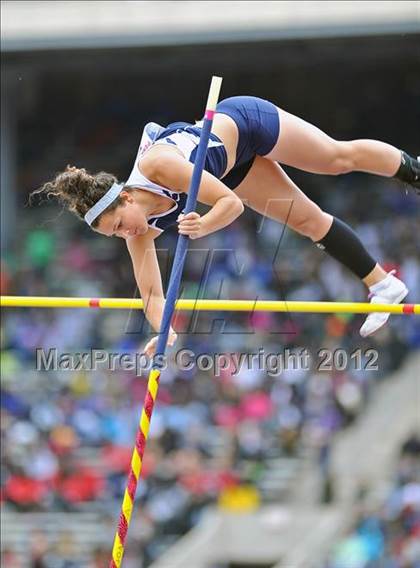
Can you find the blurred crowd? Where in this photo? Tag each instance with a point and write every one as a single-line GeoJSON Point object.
{"type": "Point", "coordinates": [388, 535]}
{"type": "Point", "coordinates": [67, 436]}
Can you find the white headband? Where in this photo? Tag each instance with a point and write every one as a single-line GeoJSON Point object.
{"type": "Point", "coordinates": [104, 202]}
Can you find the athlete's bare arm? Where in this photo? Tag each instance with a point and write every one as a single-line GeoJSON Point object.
{"type": "Point", "coordinates": [170, 169]}
{"type": "Point", "coordinates": [147, 274]}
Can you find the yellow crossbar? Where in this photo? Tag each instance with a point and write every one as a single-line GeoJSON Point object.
{"type": "Point", "coordinates": [211, 305]}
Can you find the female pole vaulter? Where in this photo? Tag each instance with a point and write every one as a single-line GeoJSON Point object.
{"type": "Point", "coordinates": [250, 138]}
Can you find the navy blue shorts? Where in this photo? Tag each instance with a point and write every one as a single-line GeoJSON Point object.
{"type": "Point", "coordinates": [259, 127]}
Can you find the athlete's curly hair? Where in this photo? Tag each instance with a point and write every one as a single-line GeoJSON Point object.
{"type": "Point", "coordinates": [79, 190]}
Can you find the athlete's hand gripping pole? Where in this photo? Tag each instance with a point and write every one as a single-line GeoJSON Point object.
{"type": "Point", "coordinates": [173, 287]}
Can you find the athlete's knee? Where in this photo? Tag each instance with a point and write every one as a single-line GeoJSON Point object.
{"type": "Point", "coordinates": [314, 224]}
{"type": "Point", "coordinates": [343, 158]}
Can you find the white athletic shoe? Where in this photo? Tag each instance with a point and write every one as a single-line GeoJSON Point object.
{"type": "Point", "coordinates": [390, 290]}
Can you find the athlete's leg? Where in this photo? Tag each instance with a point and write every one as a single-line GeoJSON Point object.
{"type": "Point", "coordinates": [306, 147]}
{"type": "Point", "coordinates": [280, 199]}
{"type": "Point", "coordinates": [269, 191]}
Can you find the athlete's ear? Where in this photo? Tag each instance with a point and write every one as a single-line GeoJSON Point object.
{"type": "Point", "coordinates": [126, 196]}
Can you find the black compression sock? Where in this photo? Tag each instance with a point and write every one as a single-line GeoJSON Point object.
{"type": "Point", "coordinates": [409, 170]}
{"type": "Point", "coordinates": [342, 243]}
